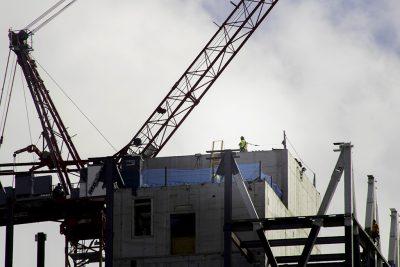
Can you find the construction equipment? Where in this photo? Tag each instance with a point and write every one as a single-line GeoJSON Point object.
{"type": "Point", "coordinates": [55, 133]}
{"type": "Point", "coordinates": [59, 153]}
{"type": "Point", "coordinates": [201, 74]}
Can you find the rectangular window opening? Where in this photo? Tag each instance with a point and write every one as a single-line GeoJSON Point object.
{"type": "Point", "coordinates": [142, 217]}
{"type": "Point", "coordinates": [183, 234]}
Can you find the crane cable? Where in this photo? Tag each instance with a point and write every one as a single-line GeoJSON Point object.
{"type": "Point", "coordinates": [26, 108]}
{"type": "Point", "coordinates": [77, 107]}
{"type": "Point", "coordinates": [47, 12]}
{"type": "Point", "coordinates": [5, 76]}
{"type": "Point", "coordinates": [44, 14]}
{"type": "Point", "coordinates": [4, 121]}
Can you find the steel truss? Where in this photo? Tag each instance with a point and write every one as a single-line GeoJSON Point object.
{"type": "Point", "coordinates": [187, 92]}
{"type": "Point", "coordinates": [85, 252]}
{"type": "Point", "coordinates": [54, 132]}
{"type": "Point", "coordinates": [360, 249]}
{"type": "Point", "coordinates": [84, 240]}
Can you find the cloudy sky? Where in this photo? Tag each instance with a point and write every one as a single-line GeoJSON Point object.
{"type": "Point", "coordinates": [324, 71]}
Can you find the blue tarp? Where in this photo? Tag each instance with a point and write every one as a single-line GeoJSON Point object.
{"type": "Point", "coordinates": [156, 177]}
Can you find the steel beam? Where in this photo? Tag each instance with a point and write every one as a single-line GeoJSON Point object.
{"type": "Point", "coordinates": [108, 168]}
{"type": "Point", "coordinates": [393, 256]}
{"type": "Point", "coordinates": [40, 238]}
{"type": "Point", "coordinates": [370, 210]}
{"type": "Point", "coordinates": [341, 164]}
{"type": "Point", "coordinates": [294, 242]}
{"type": "Point", "coordinates": [226, 170]}
{"type": "Point", "coordinates": [318, 264]}
{"type": "Point", "coordinates": [348, 207]}
{"type": "Point", "coordinates": [9, 233]}
{"type": "Point", "coordinates": [371, 214]}
{"type": "Point", "coordinates": [242, 248]}
{"type": "Point", "coordinates": [367, 243]}
{"type": "Point", "coordinates": [285, 223]}
{"type": "Point", "coordinates": [313, 258]}
{"type": "Point", "coordinates": [267, 248]}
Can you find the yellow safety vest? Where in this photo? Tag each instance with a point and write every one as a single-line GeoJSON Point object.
{"type": "Point", "coordinates": [243, 145]}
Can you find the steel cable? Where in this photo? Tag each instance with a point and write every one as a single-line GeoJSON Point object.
{"type": "Point", "coordinates": [8, 103]}
{"type": "Point", "coordinates": [76, 106]}
{"type": "Point", "coordinates": [44, 14]}
{"type": "Point", "coordinates": [52, 17]}
{"type": "Point", "coordinates": [5, 76]}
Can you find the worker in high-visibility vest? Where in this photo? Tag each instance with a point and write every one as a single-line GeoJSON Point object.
{"type": "Point", "coordinates": [243, 144]}
{"type": "Point", "coordinates": [375, 231]}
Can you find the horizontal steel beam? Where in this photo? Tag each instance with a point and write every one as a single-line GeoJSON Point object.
{"type": "Point", "coordinates": [313, 258]}
{"type": "Point", "coordinates": [318, 264]}
{"type": "Point", "coordinates": [288, 222]}
{"type": "Point", "coordinates": [294, 242]}
{"type": "Point", "coordinates": [48, 209]}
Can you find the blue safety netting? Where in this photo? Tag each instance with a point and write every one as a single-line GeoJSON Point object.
{"type": "Point", "coordinates": [156, 177]}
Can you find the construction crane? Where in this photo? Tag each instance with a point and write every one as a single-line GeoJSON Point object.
{"type": "Point", "coordinates": [59, 153]}
{"type": "Point", "coordinates": [201, 74]}
{"type": "Point", "coordinates": [54, 131]}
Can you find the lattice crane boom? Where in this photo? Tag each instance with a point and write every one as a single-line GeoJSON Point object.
{"type": "Point", "coordinates": [187, 92]}
{"type": "Point", "coordinates": [54, 132]}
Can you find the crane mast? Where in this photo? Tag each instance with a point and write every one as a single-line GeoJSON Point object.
{"type": "Point", "coordinates": [54, 132]}
{"type": "Point", "coordinates": [191, 87]}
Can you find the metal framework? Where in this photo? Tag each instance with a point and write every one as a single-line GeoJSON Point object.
{"type": "Point", "coordinates": [54, 132]}
{"type": "Point", "coordinates": [360, 249]}
{"type": "Point", "coordinates": [306, 222]}
{"type": "Point", "coordinates": [86, 247]}
{"type": "Point", "coordinates": [393, 255]}
{"type": "Point", "coordinates": [187, 92]}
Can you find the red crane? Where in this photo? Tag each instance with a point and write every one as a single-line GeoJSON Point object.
{"type": "Point", "coordinates": [182, 98]}
{"type": "Point", "coordinates": [194, 83]}
{"type": "Point", "coordinates": [58, 150]}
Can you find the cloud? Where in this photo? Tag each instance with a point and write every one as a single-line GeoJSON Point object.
{"type": "Point", "coordinates": [325, 71]}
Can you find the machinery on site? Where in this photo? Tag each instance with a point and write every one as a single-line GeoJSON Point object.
{"type": "Point", "coordinates": [85, 222]}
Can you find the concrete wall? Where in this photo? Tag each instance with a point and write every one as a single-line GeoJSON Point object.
{"type": "Point", "coordinates": [299, 195]}
{"type": "Point", "coordinates": [206, 201]}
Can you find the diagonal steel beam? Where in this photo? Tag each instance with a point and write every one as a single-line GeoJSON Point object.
{"type": "Point", "coordinates": [345, 152]}
{"type": "Point", "coordinates": [267, 248]}
{"type": "Point", "coordinates": [243, 249]}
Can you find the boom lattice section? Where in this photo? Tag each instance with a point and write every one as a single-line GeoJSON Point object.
{"type": "Point", "coordinates": [54, 132]}
{"type": "Point", "coordinates": [187, 92]}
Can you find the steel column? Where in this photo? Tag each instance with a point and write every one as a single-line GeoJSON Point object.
{"type": "Point", "coordinates": [9, 232]}
{"type": "Point", "coordinates": [370, 209]}
{"type": "Point", "coordinates": [40, 238]}
{"type": "Point", "coordinates": [227, 158]}
{"type": "Point", "coordinates": [330, 191]}
{"type": "Point", "coordinates": [393, 256]}
{"type": "Point", "coordinates": [348, 206]}
{"type": "Point", "coordinates": [370, 215]}
{"type": "Point", "coordinates": [109, 167]}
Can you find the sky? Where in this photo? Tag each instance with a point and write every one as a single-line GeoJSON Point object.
{"type": "Point", "coordinates": [324, 71]}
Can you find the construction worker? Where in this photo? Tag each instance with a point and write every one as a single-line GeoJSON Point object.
{"type": "Point", "coordinates": [58, 192]}
{"type": "Point", "coordinates": [375, 231]}
{"type": "Point", "coordinates": [243, 144]}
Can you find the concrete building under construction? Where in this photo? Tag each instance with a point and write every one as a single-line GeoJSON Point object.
{"type": "Point", "coordinates": [136, 209]}
{"type": "Point", "coordinates": [176, 217]}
